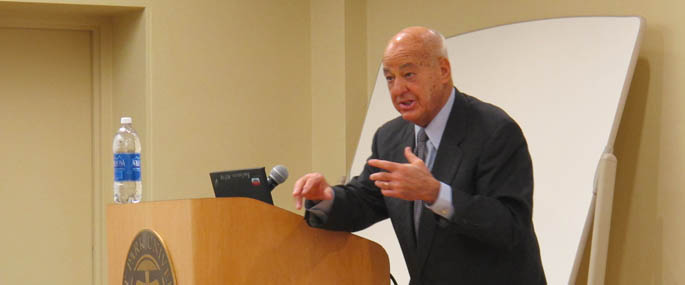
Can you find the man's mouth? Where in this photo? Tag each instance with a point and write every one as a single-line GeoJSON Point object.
{"type": "Point", "coordinates": [406, 104]}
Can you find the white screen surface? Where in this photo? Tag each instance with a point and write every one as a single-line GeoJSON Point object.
{"type": "Point", "coordinates": [564, 81]}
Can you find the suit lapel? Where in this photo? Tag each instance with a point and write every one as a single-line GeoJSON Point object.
{"type": "Point", "coordinates": [449, 154]}
{"type": "Point", "coordinates": [445, 167]}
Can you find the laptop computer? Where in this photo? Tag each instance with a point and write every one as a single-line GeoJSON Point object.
{"type": "Point", "coordinates": [250, 183]}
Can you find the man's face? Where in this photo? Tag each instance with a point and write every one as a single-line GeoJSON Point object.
{"type": "Point", "coordinates": [414, 80]}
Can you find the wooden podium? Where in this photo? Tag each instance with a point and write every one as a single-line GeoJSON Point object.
{"type": "Point", "coordinates": [243, 241]}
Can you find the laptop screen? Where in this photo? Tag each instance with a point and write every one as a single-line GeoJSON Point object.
{"type": "Point", "coordinates": [250, 183]}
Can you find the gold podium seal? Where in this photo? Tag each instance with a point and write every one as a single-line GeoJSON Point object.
{"type": "Point", "coordinates": [148, 261]}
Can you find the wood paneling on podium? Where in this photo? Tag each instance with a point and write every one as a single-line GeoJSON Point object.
{"type": "Point", "coordinates": [243, 241]}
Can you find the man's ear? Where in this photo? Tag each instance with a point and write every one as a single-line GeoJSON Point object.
{"type": "Point", "coordinates": [445, 70]}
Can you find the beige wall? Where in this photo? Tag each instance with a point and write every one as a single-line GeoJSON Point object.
{"type": "Point", "coordinates": [355, 66]}
{"type": "Point", "coordinates": [646, 237]}
{"type": "Point", "coordinates": [328, 88]}
{"type": "Point", "coordinates": [229, 89]}
{"type": "Point", "coordinates": [338, 76]}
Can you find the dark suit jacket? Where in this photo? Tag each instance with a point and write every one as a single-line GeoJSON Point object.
{"type": "Point", "coordinates": [490, 238]}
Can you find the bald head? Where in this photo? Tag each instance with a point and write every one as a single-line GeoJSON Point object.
{"type": "Point", "coordinates": [423, 41]}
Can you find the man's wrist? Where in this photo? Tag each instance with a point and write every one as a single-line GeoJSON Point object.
{"type": "Point", "coordinates": [443, 204]}
{"type": "Point", "coordinates": [435, 191]}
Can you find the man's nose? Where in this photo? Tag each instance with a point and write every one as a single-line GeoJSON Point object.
{"type": "Point", "coordinates": [398, 87]}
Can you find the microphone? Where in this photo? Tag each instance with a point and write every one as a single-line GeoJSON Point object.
{"type": "Point", "coordinates": [277, 176]}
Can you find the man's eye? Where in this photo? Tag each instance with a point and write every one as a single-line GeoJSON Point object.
{"type": "Point", "coordinates": [389, 78]}
{"type": "Point", "coordinates": [409, 75]}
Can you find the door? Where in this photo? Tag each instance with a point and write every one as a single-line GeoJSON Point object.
{"type": "Point", "coordinates": [46, 148]}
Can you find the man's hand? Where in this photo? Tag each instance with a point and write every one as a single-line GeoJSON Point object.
{"type": "Point", "coordinates": [312, 186]}
{"type": "Point", "coordinates": [408, 181]}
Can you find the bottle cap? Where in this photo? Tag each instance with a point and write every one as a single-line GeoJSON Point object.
{"type": "Point", "coordinates": [126, 120]}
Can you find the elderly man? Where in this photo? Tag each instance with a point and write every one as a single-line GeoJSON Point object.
{"type": "Point", "coordinates": [453, 174]}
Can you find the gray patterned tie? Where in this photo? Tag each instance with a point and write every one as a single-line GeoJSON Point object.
{"type": "Point", "coordinates": [421, 151]}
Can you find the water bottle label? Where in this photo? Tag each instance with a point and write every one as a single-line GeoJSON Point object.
{"type": "Point", "coordinates": [126, 167]}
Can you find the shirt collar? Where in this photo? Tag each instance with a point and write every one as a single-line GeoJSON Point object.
{"type": "Point", "coordinates": [437, 126]}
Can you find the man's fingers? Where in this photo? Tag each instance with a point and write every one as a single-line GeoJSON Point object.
{"type": "Point", "coordinates": [383, 164]}
{"type": "Point", "coordinates": [297, 192]}
{"type": "Point", "coordinates": [312, 186]}
{"type": "Point", "coordinates": [382, 176]}
{"type": "Point", "coordinates": [302, 188]}
{"type": "Point", "coordinates": [307, 188]}
{"type": "Point", "coordinates": [298, 202]}
{"type": "Point", "coordinates": [411, 157]}
{"type": "Point", "coordinates": [391, 193]}
{"type": "Point", "coordinates": [297, 189]}
{"type": "Point", "coordinates": [384, 185]}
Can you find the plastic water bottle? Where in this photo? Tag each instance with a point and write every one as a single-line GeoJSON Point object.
{"type": "Point", "coordinates": [126, 146]}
